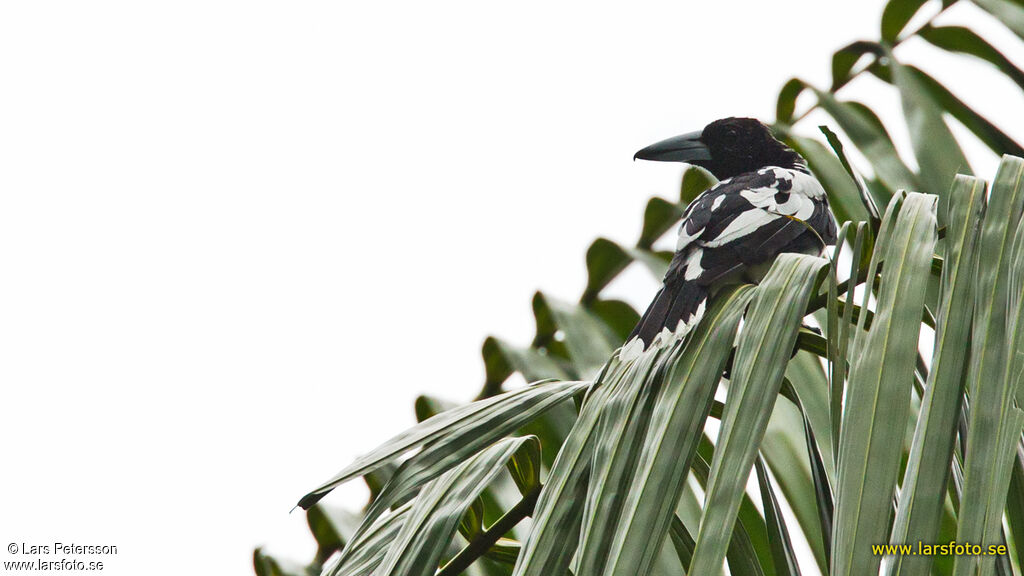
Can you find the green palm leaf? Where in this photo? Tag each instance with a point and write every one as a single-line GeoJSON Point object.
{"type": "Point", "coordinates": [878, 393]}
{"type": "Point", "coordinates": [605, 445]}
{"type": "Point", "coordinates": [452, 435]}
{"type": "Point", "coordinates": [765, 344]}
{"type": "Point", "coordinates": [433, 517]}
{"type": "Point", "coordinates": [924, 484]}
{"type": "Point", "coordinates": [656, 474]}
{"type": "Point", "coordinates": [994, 424]}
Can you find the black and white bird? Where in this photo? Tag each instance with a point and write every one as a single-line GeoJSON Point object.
{"type": "Point", "coordinates": [766, 202]}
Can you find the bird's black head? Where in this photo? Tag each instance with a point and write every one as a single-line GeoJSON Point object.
{"type": "Point", "coordinates": [725, 148]}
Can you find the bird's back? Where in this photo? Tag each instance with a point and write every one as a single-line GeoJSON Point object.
{"type": "Point", "coordinates": [732, 233]}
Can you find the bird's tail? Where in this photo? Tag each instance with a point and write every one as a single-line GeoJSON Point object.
{"type": "Point", "coordinates": [675, 310]}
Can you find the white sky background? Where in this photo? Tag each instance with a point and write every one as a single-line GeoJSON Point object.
{"type": "Point", "coordinates": [238, 238]}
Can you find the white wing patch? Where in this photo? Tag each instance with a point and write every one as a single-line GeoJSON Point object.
{"type": "Point", "coordinates": [796, 204]}
{"type": "Point", "coordinates": [746, 223]}
{"type": "Point", "coordinates": [800, 207]}
{"type": "Point", "coordinates": [684, 238]}
{"type": "Point", "coordinates": [761, 197]}
{"type": "Point", "coordinates": [693, 267]}
{"type": "Point", "coordinates": [806, 185]}
{"type": "Point", "coordinates": [800, 197]}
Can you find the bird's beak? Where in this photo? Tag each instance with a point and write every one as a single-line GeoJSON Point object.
{"type": "Point", "coordinates": [684, 148]}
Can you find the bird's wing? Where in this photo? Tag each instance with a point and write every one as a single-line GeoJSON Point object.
{"type": "Point", "coordinates": [747, 220]}
{"type": "Point", "coordinates": [738, 223]}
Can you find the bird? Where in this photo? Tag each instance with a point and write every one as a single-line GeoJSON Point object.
{"type": "Point", "coordinates": [766, 202]}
